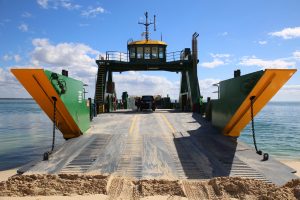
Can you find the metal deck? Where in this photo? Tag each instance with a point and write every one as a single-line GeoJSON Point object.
{"type": "Point", "coordinates": [160, 144]}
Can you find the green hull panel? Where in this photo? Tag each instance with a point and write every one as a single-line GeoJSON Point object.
{"type": "Point", "coordinates": [232, 94]}
{"type": "Point", "coordinates": [72, 97]}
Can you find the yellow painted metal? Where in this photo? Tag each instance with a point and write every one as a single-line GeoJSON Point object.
{"type": "Point", "coordinates": [267, 86]}
{"type": "Point", "coordinates": [40, 88]}
{"type": "Point", "coordinates": [148, 42]}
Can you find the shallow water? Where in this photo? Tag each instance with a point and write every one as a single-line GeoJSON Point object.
{"type": "Point", "coordinates": [25, 133]}
{"type": "Point", "coordinates": [277, 129]}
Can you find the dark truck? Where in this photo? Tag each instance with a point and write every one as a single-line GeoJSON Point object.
{"type": "Point", "coordinates": [147, 102]}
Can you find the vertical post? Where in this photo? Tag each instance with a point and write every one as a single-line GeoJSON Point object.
{"type": "Point", "coordinates": [91, 108]}
{"type": "Point", "coordinates": [193, 77]}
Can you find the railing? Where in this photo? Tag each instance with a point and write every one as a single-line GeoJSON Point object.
{"type": "Point", "coordinates": [174, 56]}
{"type": "Point", "coordinates": [124, 57]}
{"type": "Point", "coordinates": [117, 56]}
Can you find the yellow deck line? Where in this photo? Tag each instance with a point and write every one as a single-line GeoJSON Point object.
{"type": "Point", "coordinates": [168, 123]}
{"type": "Point", "coordinates": [132, 125]}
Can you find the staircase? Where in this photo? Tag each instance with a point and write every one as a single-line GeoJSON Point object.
{"type": "Point", "coordinates": [99, 93]}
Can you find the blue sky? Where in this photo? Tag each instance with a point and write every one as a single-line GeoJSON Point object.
{"type": "Point", "coordinates": [55, 34]}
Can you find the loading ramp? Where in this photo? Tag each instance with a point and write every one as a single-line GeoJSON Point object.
{"type": "Point", "coordinates": [161, 144]}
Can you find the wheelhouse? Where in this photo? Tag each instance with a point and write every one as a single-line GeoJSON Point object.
{"type": "Point", "coordinates": [147, 51]}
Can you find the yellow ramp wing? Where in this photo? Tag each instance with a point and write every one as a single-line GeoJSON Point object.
{"type": "Point", "coordinates": [40, 88]}
{"type": "Point", "coordinates": [268, 85]}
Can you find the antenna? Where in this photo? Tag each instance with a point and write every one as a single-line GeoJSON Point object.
{"type": "Point", "coordinates": [154, 22]}
{"type": "Point", "coordinates": [146, 24]}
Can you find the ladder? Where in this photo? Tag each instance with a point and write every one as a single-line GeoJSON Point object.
{"type": "Point", "coordinates": [100, 84]}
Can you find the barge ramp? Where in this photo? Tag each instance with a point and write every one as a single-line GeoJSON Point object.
{"type": "Point", "coordinates": [155, 145]}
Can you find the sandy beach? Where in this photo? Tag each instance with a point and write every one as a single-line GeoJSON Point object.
{"type": "Point", "coordinates": [48, 187]}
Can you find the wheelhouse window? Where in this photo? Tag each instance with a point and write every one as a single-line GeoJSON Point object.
{"type": "Point", "coordinates": [161, 52]}
{"type": "Point", "coordinates": [132, 52]}
{"type": "Point", "coordinates": [147, 53]}
{"type": "Point", "coordinates": [154, 53]}
{"type": "Point", "coordinates": [139, 52]}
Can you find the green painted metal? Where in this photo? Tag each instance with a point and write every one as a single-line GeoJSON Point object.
{"type": "Point", "coordinates": [71, 93]}
{"type": "Point", "coordinates": [125, 100]}
{"type": "Point", "coordinates": [232, 94]}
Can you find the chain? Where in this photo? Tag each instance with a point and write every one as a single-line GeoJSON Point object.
{"type": "Point", "coordinates": [252, 126]}
{"type": "Point", "coordinates": [259, 152]}
{"type": "Point", "coordinates": [54, 122]}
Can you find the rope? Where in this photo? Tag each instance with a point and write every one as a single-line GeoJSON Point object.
{"type": "Point", "coordinates": [259, 152]}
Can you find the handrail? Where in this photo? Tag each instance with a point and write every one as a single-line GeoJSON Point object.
{"type": "Point", "coordinates": [124, 57]}
{"type": "Point", "coordinates": [117, 56]}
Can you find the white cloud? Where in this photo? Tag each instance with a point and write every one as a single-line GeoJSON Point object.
{"type": "Point", "coordinates": [218, 60]}
{"type": "Point", "coordinates": [220, 55]}
{"type": "Point", "coordinates": [288, 93]}
{"type": "Point", "coordinates": [9, 87]}
{"type": "Point", "coordinates": [17, 58]}
{"type": "Point", "coordinates": [277, 63]}
{"type": "Point", "coordinates": [43, 3]}
{"type": "Point", "coordinates": [84, 25]}
{"type": "Point", "coordinates": [23, 27]}
{"type": "Point", "coordinates": [77, 58]}
{"type": "Point", "coordinates": [207, 89]}
{"type": "Point", "coordinates": [26, 15]}
{"type": "Point", "coordinates": [137, 83]}
{"type": "Point", "coordinates": [262, 42]}
{"type": "Point", "coordinates": [287, 33]}
{"type": "Point", "coordinates": [296, 55]}
{"type": "Point", "coordinates": [40, 42]}
{"type": "Point", "coordinates": [212, 64]}
{"type": "Point", "coordinates": [68, 5]}
{"type": "Point", "coordinates": [55, 4]}
{"type": "Point", "coordinates": [224, 33]}
{"type": "Point", "coordinates": [92, 12]}
{"type": "Point", "coordinates": [7, 57]}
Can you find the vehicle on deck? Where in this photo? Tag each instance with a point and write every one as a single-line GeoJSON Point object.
{"type": "Point", "coordinates": [147, 102]}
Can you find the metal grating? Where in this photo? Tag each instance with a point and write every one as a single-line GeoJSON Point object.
{"type": "Point", "coordinates": [88, 155]}
{"type": "Point", "coordinates": [131, 158]}
{"type": "Point", "coordinates": [190, 158]}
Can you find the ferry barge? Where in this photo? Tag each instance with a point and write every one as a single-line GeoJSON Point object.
{"type": "Point", "coordinates": [198, 144]}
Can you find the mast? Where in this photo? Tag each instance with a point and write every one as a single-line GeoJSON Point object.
{"type": "Point", "coordinates": [147, 24]}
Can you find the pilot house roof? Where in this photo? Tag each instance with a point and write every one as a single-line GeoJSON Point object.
{"type": "Point", "coordinates": [150, 42]}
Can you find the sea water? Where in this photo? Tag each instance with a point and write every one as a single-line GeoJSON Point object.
{"type": "Point", "coordinates": [26, 132]}
{"type": "Point", "coordinates": [277, 130]}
